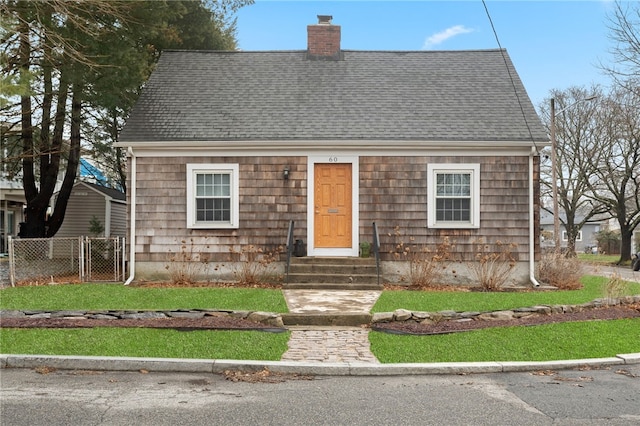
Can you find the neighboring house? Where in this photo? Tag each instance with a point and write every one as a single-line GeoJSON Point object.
{"type": "Point", "coordinates": [88, 200]}
{"type": "Point", "coordinates": [585, 241]}
{"type": "Point", "coordinates": [12, 204]}
{"type": "Point", "coordinates": [12, 199]}
{"type": "Point", "coordinates": [226, 148]}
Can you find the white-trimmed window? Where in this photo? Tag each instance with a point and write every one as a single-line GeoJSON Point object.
{"type": "Point", "coordinates": [453, 195]}
{"type": "Point", "coordinates": [212, 196]}
{"type": "Point", "coordinates": [565, 236]}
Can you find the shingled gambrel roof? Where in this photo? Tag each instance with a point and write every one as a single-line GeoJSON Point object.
{"type": "Point", "coordinates": [369, 95]}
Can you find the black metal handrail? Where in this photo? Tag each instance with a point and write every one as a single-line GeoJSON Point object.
{"type": "Point", "coordinates": [289, 248]}
{"type": "Point", "coordinates": [376, 249]}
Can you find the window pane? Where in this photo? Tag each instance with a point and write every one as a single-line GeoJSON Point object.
{"type": "Point", "coordinates": [222, 210]}
{"type": "Point", "coordinates": [453, 209]}
{"type": "Point", "coordinates": [453, 185]}
{"type": "Point", "coordinates": [213, 185]}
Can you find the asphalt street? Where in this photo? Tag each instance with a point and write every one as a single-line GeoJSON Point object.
{"type": "Point", "coordinates": [609, 395]}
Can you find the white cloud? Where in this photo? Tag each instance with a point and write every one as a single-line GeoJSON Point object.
{"type": "Point", "coordinates": [442, 36]}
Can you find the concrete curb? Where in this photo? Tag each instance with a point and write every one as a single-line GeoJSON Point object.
{"type": "Point", "coordinates": [63, 362]}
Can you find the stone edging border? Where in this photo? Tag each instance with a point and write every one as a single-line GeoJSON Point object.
{"type": "Point", "coordinates": [402, 315]}
{"type": "Point", "coordinates": [266, 318]}
{"type": "Point", "coordinates": [275, 319]}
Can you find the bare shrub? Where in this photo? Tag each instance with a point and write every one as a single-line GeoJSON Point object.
{"type": "Point", "coordinates": [493, 264]}
{"type": "Point", "coordinates": [560, 271]}
{"type": "Point", "coordinates": [426, 265]}
{"type": "Point", "coordinates": [186, 265]}
{"type": "Point", "coordinates": [616, 287]}
{"type": "Point", "coordinates": [255, 265]}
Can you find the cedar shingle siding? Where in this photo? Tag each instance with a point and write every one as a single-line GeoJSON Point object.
{"type": "Point", "coordinates": [393, 193]}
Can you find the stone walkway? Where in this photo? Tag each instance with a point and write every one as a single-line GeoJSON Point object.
{"type": "Point", "coordinates": [329, 344]}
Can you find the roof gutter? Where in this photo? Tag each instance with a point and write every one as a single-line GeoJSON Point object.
{"type": "Point", "coordinates": [132, 219]}
{"type": "Point", "coordinates": [532, 243]}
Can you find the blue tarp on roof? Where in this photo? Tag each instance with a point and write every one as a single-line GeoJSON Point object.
{"type": "Point", "coordinates": [88, 170]}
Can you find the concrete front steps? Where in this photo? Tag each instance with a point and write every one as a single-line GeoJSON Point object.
{"type": "Point", "coordinates": [332, 273]}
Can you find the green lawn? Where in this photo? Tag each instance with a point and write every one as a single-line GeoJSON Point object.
{"type": "Point", "coordinates": [118, 296]}
{"type": "Point", "coordinates": [548, 342]}
{"type": "Point", "coordinates": [607, 259]}
{"type": "Point", "coordinates": [145, 342]}
{"type": "Point", "coordinates": [571, 340]}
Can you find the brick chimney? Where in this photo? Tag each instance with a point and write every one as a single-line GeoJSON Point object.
{"type": "Point", "coordinates": [323, 40]}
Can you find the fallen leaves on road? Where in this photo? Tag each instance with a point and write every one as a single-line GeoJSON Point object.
{"type": "Point", "coordinates": [262, 376]}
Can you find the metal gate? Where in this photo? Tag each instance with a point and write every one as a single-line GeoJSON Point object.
{"type": "Point", "coordinates": [58, 260]}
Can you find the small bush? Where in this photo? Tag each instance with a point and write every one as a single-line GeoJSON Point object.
{"type": "Point", "coordinates": [426, 265]}
{"type": "Point", "coordinates": [493, 266]}
{"type": "Point", "coordinates": [560, 271]}
{"type": "Point", "coordinates": [616, 287]}
{"type": "Point", "coordinates": [255, 265]}
{"type": "Point", "coordinates": [185, 266]}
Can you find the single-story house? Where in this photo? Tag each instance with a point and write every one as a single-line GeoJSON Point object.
{"type": "Point", "coordinates": [89, 201]}
{"type": "Point", "coordinates": [227, 147]}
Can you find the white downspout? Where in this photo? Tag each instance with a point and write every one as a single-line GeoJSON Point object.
{"type": "Point", "coordinates": [132, 229]}
{"type": "Point", "coordinates": [532, 243]}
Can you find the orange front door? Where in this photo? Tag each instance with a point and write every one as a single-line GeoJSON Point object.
{"type": "Point", "coordinates": [332, 205]}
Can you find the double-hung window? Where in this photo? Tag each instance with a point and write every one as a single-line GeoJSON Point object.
{"type": "Point", "coordinates": [453, 195]}
{"type": "Point", "coordinates": [212, 196]}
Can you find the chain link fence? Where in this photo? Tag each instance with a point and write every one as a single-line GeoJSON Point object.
{"type": "Point", "coordinates": [53, 260]}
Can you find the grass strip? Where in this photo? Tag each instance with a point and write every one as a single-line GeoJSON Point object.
{"type": "Point", "coordinates": [608, 259]}
{"type": "Point", "coordinates": [433, 301]}
{"type": "Point", "coordinates": [145, 342]}
{"type": "Point", "coordinates": [118, 296]}
{"type": "Point", "coordinates": [569, 340]}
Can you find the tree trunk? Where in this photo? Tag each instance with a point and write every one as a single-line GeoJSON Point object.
{"type": "Point", "coordinates": [56, 219]}
{"type": "Point", "coordinates": [625, 244]}
{"type": "Point", "coordinates": [34, 225]}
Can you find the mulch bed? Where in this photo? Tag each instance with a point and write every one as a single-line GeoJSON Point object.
{"type": "Point", "coordinates": [181, 324]}
{"type": "Point", "coordinates": [406, 327]}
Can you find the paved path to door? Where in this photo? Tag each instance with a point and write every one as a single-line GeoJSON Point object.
{"type": "Point", "coordinates": [329, 344]}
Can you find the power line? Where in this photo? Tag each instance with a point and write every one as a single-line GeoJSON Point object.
{"type": "Point", "coordinates": [513, 84]}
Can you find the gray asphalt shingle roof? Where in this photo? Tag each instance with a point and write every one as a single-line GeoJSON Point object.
{"type": "Point", "coordinates": [370, 95]}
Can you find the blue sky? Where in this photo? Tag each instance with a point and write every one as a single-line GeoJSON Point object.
{"type": "Point", "coordinates": [553, 44]}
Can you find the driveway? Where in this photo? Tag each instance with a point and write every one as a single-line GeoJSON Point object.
{"type": "Point", "coordinates": [624, 272]}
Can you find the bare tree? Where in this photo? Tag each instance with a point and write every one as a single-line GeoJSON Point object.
{"type": "Point", "coordinates": [624, 33]}
{"type": "Point", "coordinates": [613, 162]}
{"type": "Point", "coordinates": [575, 125]}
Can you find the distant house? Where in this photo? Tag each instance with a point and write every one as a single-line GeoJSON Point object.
{"type": "Point", "coordinates": [88, 200]}
{"type": "Point", "coordinates": [227, 147]}
{"type": "Point", "coordinates": [12, 204]}
{"type": "Point", "coordinates": [585, 241]}
{"type": "Point", "coordinates": [12, 199]}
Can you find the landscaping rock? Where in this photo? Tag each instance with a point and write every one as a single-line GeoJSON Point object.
{"type": "Point", "coordinates": [12, 314]}
{"type": "Point", "coordinates": [183, 314]}
{"type": "Point", "coordinates": [497, 316]}
{"type": "Point", "coordinates": [143, 315]}
{"type": "Point", "coordinates": [260, 316]}
{"type": "Point", "coordinates": [402, 315]}
{"type": "Point", "coordinates": [382, 317]}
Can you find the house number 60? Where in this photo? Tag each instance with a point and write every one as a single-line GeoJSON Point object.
{"type": "Point", "coordinates": [333, 159]}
